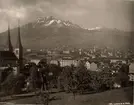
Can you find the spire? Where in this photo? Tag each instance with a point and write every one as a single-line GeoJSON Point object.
{"type": "Point", "coordinates": [20, 48]}
{"type": "Point", "coordinates": [10, 47]}
{"type": "Point", "coordinates": [19, 44]}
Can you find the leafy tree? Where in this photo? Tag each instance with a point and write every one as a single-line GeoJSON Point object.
{"type": "Point", "coordinates": [13, 83]}
{"type": "Point", "coordinates": [42, 63]}
{"type": "Point", "coordinates": [55, 71]}
{"type": "Point", "coordinates": [65, 78]}
{"type": "Point", "coordinates": [95, 83]}
{"type": "Point", "coordinates": [106, 79]}
{"type": "Point", "coordinates": [34, 77]}
{"type": "Point", "coordinates": [123, 75]}
{"type": "Point", "coordinates": [79, 79]}
{"type": "Point", "coordinates": [5, 73]}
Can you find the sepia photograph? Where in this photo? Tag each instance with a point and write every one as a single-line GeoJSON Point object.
{"type": "Point", "coordinates": [66, 52]}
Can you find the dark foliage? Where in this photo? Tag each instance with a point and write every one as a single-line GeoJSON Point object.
{"type": "Point", "coordinates": [13, 83]}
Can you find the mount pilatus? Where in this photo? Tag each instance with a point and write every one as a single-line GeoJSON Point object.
{"type": "Point", "coordinates": [50, 32]}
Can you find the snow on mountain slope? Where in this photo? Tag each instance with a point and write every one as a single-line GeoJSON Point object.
{"type": "Point", "coordinates": [50, 21]}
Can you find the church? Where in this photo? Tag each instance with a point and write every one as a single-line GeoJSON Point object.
{"type": "Point", "coordinates": [12, 57]}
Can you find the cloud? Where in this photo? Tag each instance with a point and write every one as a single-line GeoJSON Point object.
{"type": "Point", "coordinates": [26, 2]}
{"type": "Point", "coordinates": [14, 12]}
{"type": "Point", "coordinates": [88, 13]}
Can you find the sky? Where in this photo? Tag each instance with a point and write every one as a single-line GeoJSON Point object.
{"type": "Point", "coordinates": [86, 13]}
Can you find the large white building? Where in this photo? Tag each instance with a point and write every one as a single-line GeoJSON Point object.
{"type": "Point", "coordinates": [131, 71]}
{"type": "Point", "coordinates": [68, 62]}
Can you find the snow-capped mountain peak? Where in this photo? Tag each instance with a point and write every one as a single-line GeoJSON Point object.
{"type": "Point", "coordinates": [52, 21]}
{"type": "Point", "coordinates": [49, 23]}
{"type": "Point", "coordinates": [96, 28]}
{"type": "Point", "coordinates": [59, 21]}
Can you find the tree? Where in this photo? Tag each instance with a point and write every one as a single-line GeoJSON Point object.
{"type": "Point", "coordinates": [55, 71]}
{"type": "Point", "coordinates": [83, 80]}
{"type": "Point", "coordinates": [95, 83]}
{"type": "Point", "coordinates": [13, 83]}
{"type": "Point", "coordinates": [123, 75]}
{"type": "Point", "coordinates": [106, 78]}
{"type": "Point", "coordinates": [33, 76]}
{"type": "Point", "coordinates": [42, 63]}
{"type": "Point", "coordinates": [5, 73]}
{"type": "Point", "coordinates": [65, 78]}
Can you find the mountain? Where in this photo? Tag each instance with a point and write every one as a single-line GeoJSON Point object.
{"type": "Point", "coordinates": [50, 32]}
{"type": "Point", "coordinates": [52, 21]}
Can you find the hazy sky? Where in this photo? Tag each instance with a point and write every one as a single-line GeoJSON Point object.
{"type": "Point", "coordinates": [87, 13]}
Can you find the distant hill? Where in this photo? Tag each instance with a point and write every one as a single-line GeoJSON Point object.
{"type": "Point", "coordinates": [50, 32]}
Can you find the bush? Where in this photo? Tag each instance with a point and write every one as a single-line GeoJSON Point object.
{"type": "Point", "coordinates": [13, 84]}
{"type": "Point", "coordinates": [84, 80]}
{"type": "Point", "coordinates": [95, 82]}
{"type": "Point", "coordinates": [106, 79]}
{"type": "Point", "coordinates": [80, 79]}
{"type": "Point", "coordinates": [64, 78]}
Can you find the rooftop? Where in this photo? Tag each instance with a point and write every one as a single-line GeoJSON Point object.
{"type": "Point", "coordinates": [7, 55]}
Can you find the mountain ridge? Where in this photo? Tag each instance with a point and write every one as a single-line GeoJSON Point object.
{"type": "Point", "coordinates": [51, 32]}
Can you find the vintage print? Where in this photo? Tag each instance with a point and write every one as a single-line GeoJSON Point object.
{"type": "Point", "coordinates": [66, 52]}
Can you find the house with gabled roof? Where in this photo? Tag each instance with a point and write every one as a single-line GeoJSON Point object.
{"type": "Point", "coordinates": [8, 58]}
{"type": "Point", "coordinates": [12, 56]}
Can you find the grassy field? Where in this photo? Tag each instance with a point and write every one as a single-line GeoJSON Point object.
{"type": "Point", "coordinates": [113, 96]}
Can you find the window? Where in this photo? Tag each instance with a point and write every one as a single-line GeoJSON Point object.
{"type": "Point", "coordinates": [17, 51]}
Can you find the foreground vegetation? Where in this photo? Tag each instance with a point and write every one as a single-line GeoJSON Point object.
{"type": "Point", "coordinates": [75, 80]}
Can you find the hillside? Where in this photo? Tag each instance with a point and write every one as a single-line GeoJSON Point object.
{"type": "Point", "coordinates": [50, 32]}
{"type": "Point", "coordinates": [124, 95]}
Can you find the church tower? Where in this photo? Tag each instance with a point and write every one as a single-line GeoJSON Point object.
{"type": "Point", "coordinates": [19, 49]}
{"type": "Point", "coordinates": [9, 46]}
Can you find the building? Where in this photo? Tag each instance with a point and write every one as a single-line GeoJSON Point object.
{"type": "Point", "coordinates": [68, 62]}
{"type": "Point", "coordinates": [66, 52]}
{"type": "Point", "coordinates": [54, 62]}
{"type": "Point", "coordinates": [131, 68]}
{"type": "Point", "coordinates": [131, 71]}
{"type": "Point", "coordinates": [93, 67]}
{"type": "Point", "coordinates": [88, 65]}
{"type": "Point", "coordinates": [12, 57]}
{"type": "Point", "coordinates": [28, 50]}
{"type": "Point", "coordinates": [115, 60]}
{"type": "Point", "coordinates": [7, 58]}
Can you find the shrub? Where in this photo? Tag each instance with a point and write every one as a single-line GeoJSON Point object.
{"type": "Point", "coordinates": [95, 82]}
{"type": "Point", "coordinates": [13, 83]}
{"type": "Point", "coordinates": [106, 79]}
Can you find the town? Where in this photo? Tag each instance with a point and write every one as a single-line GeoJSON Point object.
{"type": "Point", "coordinates": [70, 70]}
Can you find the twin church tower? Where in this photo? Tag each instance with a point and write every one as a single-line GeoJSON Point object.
{"type": "Point", "coordinates": [18, 50]}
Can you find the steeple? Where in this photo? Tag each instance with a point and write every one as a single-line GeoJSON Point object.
{"type": "Point", "coordinates": [9, 44]}
{"type": "Point", "coordinates": [19, 48]}
{"type": "Point", "coordinates": [19, 44]}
